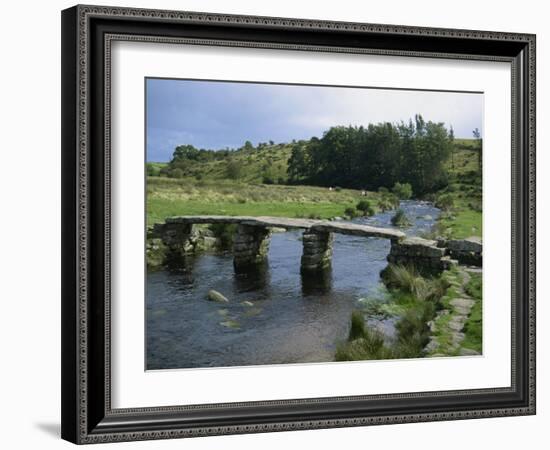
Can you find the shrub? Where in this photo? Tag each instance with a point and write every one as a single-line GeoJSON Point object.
{"type": "Point", "coordinates": [350, 212]}
{"type": "Point", "coordinates": [365, 207]}
{"type": "Point", "coordinates": [337, 188]}
{"type": "Point", "coordinates": [388, 202]}
{"type": "Point", "coordinates": [233, 169]}
{"type": "Point", "coordinates": [153, 171]}
{"type": "Point", "coordinates": [402, 191]}
{"type": "Point", "coordinates": [266, 179]}
{"type": "Point", "coordinates": [383, 190]}
{"type": "Point", "coordinates": [445, 202]}
{"type": "Point", "coordinates": [176, 173]}
{"type": "Point", "coordinates": [400, 219]}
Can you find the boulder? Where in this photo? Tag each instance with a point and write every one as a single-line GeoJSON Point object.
{"type": "Point", "coordinates": [215, 296]}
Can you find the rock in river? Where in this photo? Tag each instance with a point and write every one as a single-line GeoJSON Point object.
{"type": "Point", "coordinates": [215, 296]}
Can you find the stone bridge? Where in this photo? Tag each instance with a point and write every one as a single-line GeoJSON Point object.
{"type": "Point", "coordinates": [251, 242]}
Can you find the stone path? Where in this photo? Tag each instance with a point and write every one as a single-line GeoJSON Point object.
{"type": "Point", "coordinates": [449, 323]}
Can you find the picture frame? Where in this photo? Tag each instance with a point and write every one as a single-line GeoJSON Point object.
{"type": "Point", "coordinates": [87, 413]}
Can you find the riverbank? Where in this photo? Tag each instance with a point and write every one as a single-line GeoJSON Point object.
{"type": "Point", "coordinates": [431, 317]}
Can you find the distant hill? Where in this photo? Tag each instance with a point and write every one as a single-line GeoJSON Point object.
{"type": "Point", "coordinates": [268, 164]}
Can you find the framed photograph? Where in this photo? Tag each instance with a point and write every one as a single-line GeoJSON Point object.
{"type": "Point", "coordinates": [279, 224]}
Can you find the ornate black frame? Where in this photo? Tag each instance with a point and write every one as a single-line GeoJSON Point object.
{"type": "Point", "coordinates": [87, 31]}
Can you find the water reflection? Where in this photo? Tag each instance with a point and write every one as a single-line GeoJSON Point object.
{"type": "Point", "coordinates": [317, 283]}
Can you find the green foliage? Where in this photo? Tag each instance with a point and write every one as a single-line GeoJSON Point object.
{"type": "Point", "coordinates": [176, 173]}
{"type": "Point", "coordinates": [407, 279]}
{"type": "Point", "coordinates": [445, 202]}
{"type": "Point", "coordinates": [350, 212]}
{"type": "Point", "coordinates": [388, 202]}
{"type": "Point", "coordinates": [368, 345]}
{"type": "Point", "coordinates": [365, 207]}
{"type": "Point", "coordinates": [233, 169]}
{"type": "Point", "coordinates": [400, 219]}
{"type": "Point", "coordinates": [226, 233]}
{"type": "Point", "coordinates": [248, 146]}
{"type": "Point", "coordinates": [153, 170]}
{"type": "Point", "coordinates": [374, 156]}
{"type": "Point", "coordinates": [402, 190]}
{"type": "Point", "coordinates": [474, 286]}
{"type": "Point", "coordinates": [357, 328]}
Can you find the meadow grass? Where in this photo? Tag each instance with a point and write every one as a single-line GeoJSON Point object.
{"type": "Point", "coordinates": [473, 328]}
{"type": "Point", "coordinates": [413, 301]}
{"type": "Point", "coordinates": [172, 197]}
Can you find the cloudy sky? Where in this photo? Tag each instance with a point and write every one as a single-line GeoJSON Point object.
{"type": "Point", "coordinates": [216, 115]}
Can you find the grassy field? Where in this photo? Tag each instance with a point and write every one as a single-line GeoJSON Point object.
{"type": "Point", "coordinates": [205, 188]}
{"type": "Point", "coordinates": [171, 197]}
{"type": "Point", "coordinates": [464, 218]}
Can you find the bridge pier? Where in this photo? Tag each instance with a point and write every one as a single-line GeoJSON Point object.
{"type": "Point", "coordinates": [317, 251]}
{"type": "Point", "coordinates": [176, 237]}
{"type": "Point", "coordinates": [250, 246]}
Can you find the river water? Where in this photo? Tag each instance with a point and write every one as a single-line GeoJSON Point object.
{"type": "Point", "coordinates": [273, 317]}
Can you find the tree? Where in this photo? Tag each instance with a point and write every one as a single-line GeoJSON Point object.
{"type": "Point", "coordinates": [185, 152]}
{"type": "Point", "coordinates": [477, 136]}
{"type": "Point", "coordinates": [452, 140]}
{"type": "Point", "coordinates": [248, 146]}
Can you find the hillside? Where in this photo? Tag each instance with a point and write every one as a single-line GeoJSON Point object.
{"type": "Point", "coordinates": [266, 164]}
{"type": "Point", "coordinates": [252, 182]}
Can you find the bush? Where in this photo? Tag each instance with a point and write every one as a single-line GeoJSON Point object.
{"type": "Point", "coordinates": [176, 173]}
{"type": "Point", "coordinates": [365, 207]}
{"type": "Point", "coordinates": [153, 171]}
{"type": "Point", "coordinates": [445, 202]}
{"type": "Point", "coordinates": [400, 219]}
{"type": "Point", "coordinates": [233, 170]}
{"type": "Point", "coordinates": [383, 190]}
{"type": "Point", "coordinates": [402, 191]}
{"type": "Point", "coordinates": [350, 212]}
{"type": "Point", "coordinates": [388, 202]}
{"type": "Point", "coordinates": [266, 179]}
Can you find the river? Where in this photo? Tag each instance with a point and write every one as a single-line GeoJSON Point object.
{"type": "Point", "coordinates": [273, 317]}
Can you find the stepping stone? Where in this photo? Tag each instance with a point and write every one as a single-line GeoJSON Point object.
{"type": "Point", "coordinates": [456, 323]}
{"type": "Point", "coordinates": [468, 352]}
{"type": "Point", "coordinates": [462, 303]}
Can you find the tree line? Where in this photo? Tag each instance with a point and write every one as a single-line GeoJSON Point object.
{"type": "Point", "coordinates": [375, 156]}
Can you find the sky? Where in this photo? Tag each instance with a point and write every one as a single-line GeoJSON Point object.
{"type": "Point", "coordinates": [216, 115]}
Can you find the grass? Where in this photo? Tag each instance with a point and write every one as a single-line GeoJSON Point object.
{"type": "Point", "coordinates": [413, 300]}
{"type": "Point", "coordinates": [461, 222]}
{"type": "Point", "coordinates": [473, 328]}
{"type": "Point", "coordinates": [464, 218]}
{"type": "Point", "coordinates": [171, 197]}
